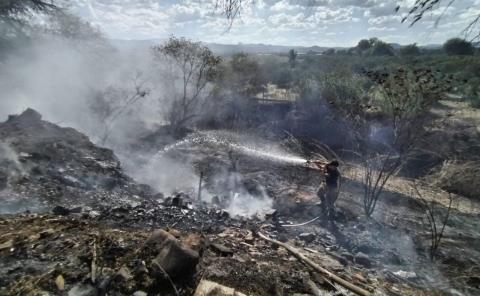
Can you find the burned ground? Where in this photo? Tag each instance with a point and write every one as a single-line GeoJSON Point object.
{"type": "Point", "coordinates": [105, 239]}
{"type": "Point", "coordinates": [59, 166]}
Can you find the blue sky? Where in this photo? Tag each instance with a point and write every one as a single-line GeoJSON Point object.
{"type": "Point", "coordinates": [284, 22]}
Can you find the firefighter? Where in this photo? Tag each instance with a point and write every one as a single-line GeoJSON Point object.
{"type": "Point", "coordinates": [329, 189]}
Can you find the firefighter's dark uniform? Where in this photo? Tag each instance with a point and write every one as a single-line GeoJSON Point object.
{"type": "Point", "coordinates": [328, 191]}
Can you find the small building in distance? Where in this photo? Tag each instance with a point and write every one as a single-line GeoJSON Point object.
{"type": "Point", "coordinates": [272, 94]}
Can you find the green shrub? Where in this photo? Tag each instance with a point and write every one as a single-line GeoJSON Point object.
{"type": "Point", "coordinates": [458, 46]}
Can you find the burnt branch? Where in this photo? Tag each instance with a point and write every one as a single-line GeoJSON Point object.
{"type": "Point", "coordinates": [231, 8]}
{"type": "Point", "coordinates": [437, 218]}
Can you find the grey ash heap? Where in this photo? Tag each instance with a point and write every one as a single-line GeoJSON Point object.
{"type": "Point", "coordinates": [44, 165]}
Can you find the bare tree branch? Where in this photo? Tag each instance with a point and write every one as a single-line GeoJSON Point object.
{"type": "Point", "coordinates": [420, 7]}
{"type": "Point", "coordinates": [437, 221]}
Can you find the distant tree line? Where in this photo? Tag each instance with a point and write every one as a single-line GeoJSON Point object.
{"type": "Point", "coordinates": [377, 47]}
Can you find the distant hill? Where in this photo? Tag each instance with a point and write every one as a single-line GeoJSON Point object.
{"type": "Point", "coordinates": [398, 46]}
{"type": "Point", "coordinates": [134, 44]}
{"type": "Point", "coordinates": [431, 46]}
{"type": "Point", "coordinates": [229, 49]}
{"type": "Point", "coordinates": [395, 46]}
{"type": "Point", "coordinates": [225, 49]}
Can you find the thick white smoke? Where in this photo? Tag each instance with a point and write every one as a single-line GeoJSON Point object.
{"type": "Point", "coordinates": [61, 79]}
{"type": "Point", "coordinates": [9, 160]}
{"type": "Point", "coordinates": [81, 85]}
{"type": "Point", "coordinates": [165, 174]}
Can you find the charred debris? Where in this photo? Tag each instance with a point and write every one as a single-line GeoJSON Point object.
{"type": "Point", "coordinates": [73, 223]}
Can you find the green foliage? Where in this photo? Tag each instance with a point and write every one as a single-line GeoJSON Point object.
{"type": "Point", "coordinates": [410, 50]}
{"type": "Point", "coordinates": [191, 57]}
{"type": "Point", "coordinates": [381, 48]}
{"type": "Point", "coordinates": [292, 57]}
{"type": "Point", "coordinates": [374, 47]}
{"type": "Point", "coordinates": [407, 94]}
{"type": "Point", "coordinates": [346, 94]}
{"type": "Point", "coordinates": [458, 72]}
{"type": "Point", "coordinates": [329, 51]}
{"type": "Point", "coordinates": [243, 75]}
{"type": "Point", "coordinates": [363, 45]}
{"type": "Point", "coordinates": [72, 27]}
{"type": "Point", "coordinates": [277, 70]}
{"type": "Point", "coordinates": [457, 46]}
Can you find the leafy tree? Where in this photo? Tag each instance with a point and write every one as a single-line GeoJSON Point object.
{"type": "Point", "coordinates": [275, 70]}
{"type": "Point", "coordinates": [342, 92]}
{"type": "Point", "coordinates": [241, 77]}
{"type": "Point", "coordinates": [374, 46]}
{"type": "Point", "coordinates": [381, 48]}
{"type": "Point", "coordinates": [17, 27]}
{"type": "Point", "coordinates": [457, 46]}
{"type": "Point", "coordinates": [193, 66]}
{"type": "Point", "coordinates": [410, 50]}
{"type": "Point", "coordinates": [72, 27]}
{"type": "Point", "coordinates": [329, 51]}
{"type": "Point", "coordinates": [363, 45]}
{"type": "Point", "coordinates": [245, 77]}
{"type": "Point", "coordinates": [292, 57]}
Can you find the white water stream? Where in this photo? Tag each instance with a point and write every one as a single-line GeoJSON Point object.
{"type": "Point", "coordinates": [233, 142]}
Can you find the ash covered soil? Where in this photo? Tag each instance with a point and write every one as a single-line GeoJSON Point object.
{"type": "Point", "coordinates": [73, 223]}
{"type": "Point", "coordinates": [44, 165]}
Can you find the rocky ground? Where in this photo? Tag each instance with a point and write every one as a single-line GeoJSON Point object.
{"type": "Point", "coordinates": [46, 254]}
{"type": "Point", "coordinates": [122, 251]}
{"type": "Point", "coordinates": [80, 226]}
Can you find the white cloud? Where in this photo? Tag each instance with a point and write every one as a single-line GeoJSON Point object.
{"type": "Point", "coordinates": [381, 29]}
{"type": "Point", "coordinates": [302, 22]}
{"type": "Point", "coordinates": [283, 6]}
{"type": "Point", "coordinates": [382, 9]}
{"type": "Point", "coordinates": [391, 20]}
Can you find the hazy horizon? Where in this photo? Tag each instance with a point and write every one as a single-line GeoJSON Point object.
{"type": "Point", "coordinates": [273, 44]}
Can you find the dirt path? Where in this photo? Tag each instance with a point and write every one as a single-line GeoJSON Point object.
{"type": "Point", "coordinates": [456, 112]}
{"type": "Point", "coordinates": [404, 186]}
